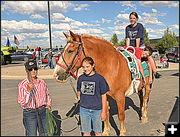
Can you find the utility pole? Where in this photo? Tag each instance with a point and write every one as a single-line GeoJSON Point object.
{"type": "Point", "coordinates": [49, 26]}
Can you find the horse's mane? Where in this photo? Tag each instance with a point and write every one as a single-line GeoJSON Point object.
{"type": "Point", "coordinates": [95, 37]}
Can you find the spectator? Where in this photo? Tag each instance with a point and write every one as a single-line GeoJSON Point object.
{"type": "Point", "coordinates": [50, 60]}
{"type": "Point", "coordinates": [164, 61]}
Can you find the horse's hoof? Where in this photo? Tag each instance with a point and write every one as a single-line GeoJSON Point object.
{"type": "Point", "coordinates": [122, 133]}
{"type": "Point", "coordinates": [144, 120]}
{"type": "Point", "coordinates": [105, 134]}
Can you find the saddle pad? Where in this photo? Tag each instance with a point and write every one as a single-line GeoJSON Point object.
{"type": "Point", "coordinates": [133, 65]}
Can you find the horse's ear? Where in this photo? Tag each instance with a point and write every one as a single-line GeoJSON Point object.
{"type": "Point", "coordinates": [74, 36]}
{"type": "Point", "coordinates": [66, 35]}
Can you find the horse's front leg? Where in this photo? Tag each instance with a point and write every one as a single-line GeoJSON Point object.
{"type": "Point", "coordinates": [144, 118]}
{"type": "Point", "coordinates": [106, 131]}
{"type": "Point", "coordinates": [121, 113]}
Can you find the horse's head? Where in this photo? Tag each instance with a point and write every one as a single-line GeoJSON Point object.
{"type": "Point", "coordinates": [70, 58]}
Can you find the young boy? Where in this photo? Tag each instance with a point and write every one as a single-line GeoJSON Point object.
{"type": "Point", "coordinates": [34, 102]}
{"type": "Point", "coordinates": [91, 90]}
{"type": "Point", "coordinates": [143, 54]}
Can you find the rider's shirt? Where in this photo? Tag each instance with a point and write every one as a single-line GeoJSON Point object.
{"type": "Point", "coordinates": [134, 33]}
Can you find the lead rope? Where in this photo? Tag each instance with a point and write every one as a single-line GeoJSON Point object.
{"type": "Point", "coordinates": [51, 117]}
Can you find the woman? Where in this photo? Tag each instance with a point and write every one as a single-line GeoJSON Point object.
{"type": "Point", "coordinates": [135, 37]}
{"type": "Point", "coordinates": [91, 90]}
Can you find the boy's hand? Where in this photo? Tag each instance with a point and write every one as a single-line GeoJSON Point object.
{"type": "Point", "coordinates": [150, 80]}
{"type": "Point", "coordinates": [49, 107]}
{"type": "Point", "coordinates": [30, 86]}
{"type": "Point", "coordinates": [103, 116]}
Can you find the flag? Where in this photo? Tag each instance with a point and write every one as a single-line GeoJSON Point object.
{"type": "Point", "coordinates": [16, 41]}
{"type": "Point", "coordinates": [7, 43]}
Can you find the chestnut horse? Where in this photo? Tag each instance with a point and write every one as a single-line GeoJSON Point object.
{"type": "Point", "coordinates": [110, 64]}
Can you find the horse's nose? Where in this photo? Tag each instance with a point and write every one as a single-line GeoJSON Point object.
{"type": "Point", "coordinates": [62, 76]}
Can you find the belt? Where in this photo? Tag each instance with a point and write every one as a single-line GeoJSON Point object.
{"type": "Point", "coordinates": [38, 109]}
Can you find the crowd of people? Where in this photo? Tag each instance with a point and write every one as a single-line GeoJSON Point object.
{"type": "Point", "coordinates": [34, 96]}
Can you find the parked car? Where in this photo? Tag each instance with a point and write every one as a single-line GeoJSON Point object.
{"type": "Point", "coordinates": [29, 51]}
{"type": "Point", "coordinates": [21, 56]}
{"type": "Point", "coordinates": [155, 53]}
{"type": "Point", "coordinates": [173, 54]}
{"type": "Point", "coordinates": [2, 58]}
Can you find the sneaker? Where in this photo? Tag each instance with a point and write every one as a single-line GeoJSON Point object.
{"type": "Point", "coordinates": [157, 75]}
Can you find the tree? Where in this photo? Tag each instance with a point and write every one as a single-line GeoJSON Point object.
{"type": "Point", "coordinates": [123, 42]}
{"type": "Point", "coordinates": [114, 39]}
{"type": "Point", "coordinates": [146, 39]}
{"type": "Point", "coordinates": [167, 41]}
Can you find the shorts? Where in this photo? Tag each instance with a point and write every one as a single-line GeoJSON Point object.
{"type": "Point", "coordinates": [90, 117]}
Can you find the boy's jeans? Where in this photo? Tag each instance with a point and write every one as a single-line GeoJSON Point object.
{"type": "Point", "coordinates": [31, 123]}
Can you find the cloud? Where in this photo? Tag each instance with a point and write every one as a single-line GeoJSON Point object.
{"type": "Point", "coordinates": [174, 27]}
{"type": "Point", "coordinates": [102, 21]}
{"type": "Point", "coordinates": [81, 7]}
{"type": "Point", "coordinates": [36, 7]}
{"type": "Point", "coordinates": [123, 16]}
{"type": "Point", "coordinates": [58, 17]}
{"type": "Point", "coordinates": [128, 3]}
{"type": "Point", "coordinates": [36, 16]}
{"type": "Point", "coordinates": [152, 19]}
{"type": "Point", "coordinates": [61, 26]}
{"type": "Point", "coordinates": [159, 3]}
{"type": "Point", "coordinates": [22, 26]}
{"type": "Point", "coordinates": [154, 10]}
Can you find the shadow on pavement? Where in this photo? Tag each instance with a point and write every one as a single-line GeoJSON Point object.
{"type": "Point", "coordinates": [114, 111]}
{"type": "Point", "coordinates": [175, 74]}
{"type": "Point", "coordinates": [174, 116]}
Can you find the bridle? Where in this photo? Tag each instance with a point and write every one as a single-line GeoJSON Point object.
{"type": "Point", "coordinates": [79, 52]}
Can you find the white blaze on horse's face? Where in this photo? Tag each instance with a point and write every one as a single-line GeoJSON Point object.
{"type": "Point", "coordinates": [59, 71]}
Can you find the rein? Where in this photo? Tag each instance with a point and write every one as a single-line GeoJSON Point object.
{"type": "Point", "coordinates": [69, 68]}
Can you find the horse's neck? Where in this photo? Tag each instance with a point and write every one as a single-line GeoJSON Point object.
{"type": "Point", "coordinates": [99, 49]}
{"type": "Point", "coordinates": [103, 54]}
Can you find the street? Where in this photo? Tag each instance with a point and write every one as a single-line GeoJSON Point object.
{"type": "Point", "coordinates": [162, 98]}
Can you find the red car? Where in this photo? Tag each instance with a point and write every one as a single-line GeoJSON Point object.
{"type": "Point", "coordinates": [45, 60]}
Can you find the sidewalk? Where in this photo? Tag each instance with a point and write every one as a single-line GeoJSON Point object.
{"type": "Point", "coordinates": [19, 72]}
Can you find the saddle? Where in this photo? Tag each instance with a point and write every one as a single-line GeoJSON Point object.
{"type": "Point", "coordinates": [134, 69]}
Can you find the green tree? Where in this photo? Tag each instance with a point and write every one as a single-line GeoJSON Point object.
{"type": "Point", "coordinates": [114, 39]}
{"type": "Point", "coordinates": [146, 39]}
{"type": "Point", "coordinates": [167, 41]}
{"type": "Point", "coordinates": [122, 42]}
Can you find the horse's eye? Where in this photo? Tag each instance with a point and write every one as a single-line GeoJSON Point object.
{"type": "Point", "coordinates": [70, 51]}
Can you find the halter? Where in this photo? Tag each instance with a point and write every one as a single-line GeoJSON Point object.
{"type": "Point", "coordinates": [69, 68]}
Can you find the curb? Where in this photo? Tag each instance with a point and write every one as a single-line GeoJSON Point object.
{"type": "Point", "coordinates": [23, 77]}
{"type": "Point", "coordinates": [51, 76]}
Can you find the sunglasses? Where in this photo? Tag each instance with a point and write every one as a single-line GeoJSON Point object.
{"type": "Point", "coordinates": [32, 69]}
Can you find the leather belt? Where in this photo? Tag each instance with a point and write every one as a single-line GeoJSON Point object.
{"type": "Point", "coordinates": [38, 109]}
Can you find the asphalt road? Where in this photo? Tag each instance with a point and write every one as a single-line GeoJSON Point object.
{"type": "Point", "coordinates": [162, 99]}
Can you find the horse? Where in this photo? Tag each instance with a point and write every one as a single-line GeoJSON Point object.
{"type": "Point", "coordinates": [110, 64]}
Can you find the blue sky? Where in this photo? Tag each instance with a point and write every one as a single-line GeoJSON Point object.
{"type": "Point", "coordinates": [28, 20]}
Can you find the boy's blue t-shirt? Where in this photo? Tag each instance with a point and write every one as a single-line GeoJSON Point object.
{"type": "Point", "coordinates": [134, 33]}
{"type": "Point", "coordinates": [91, 88]}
